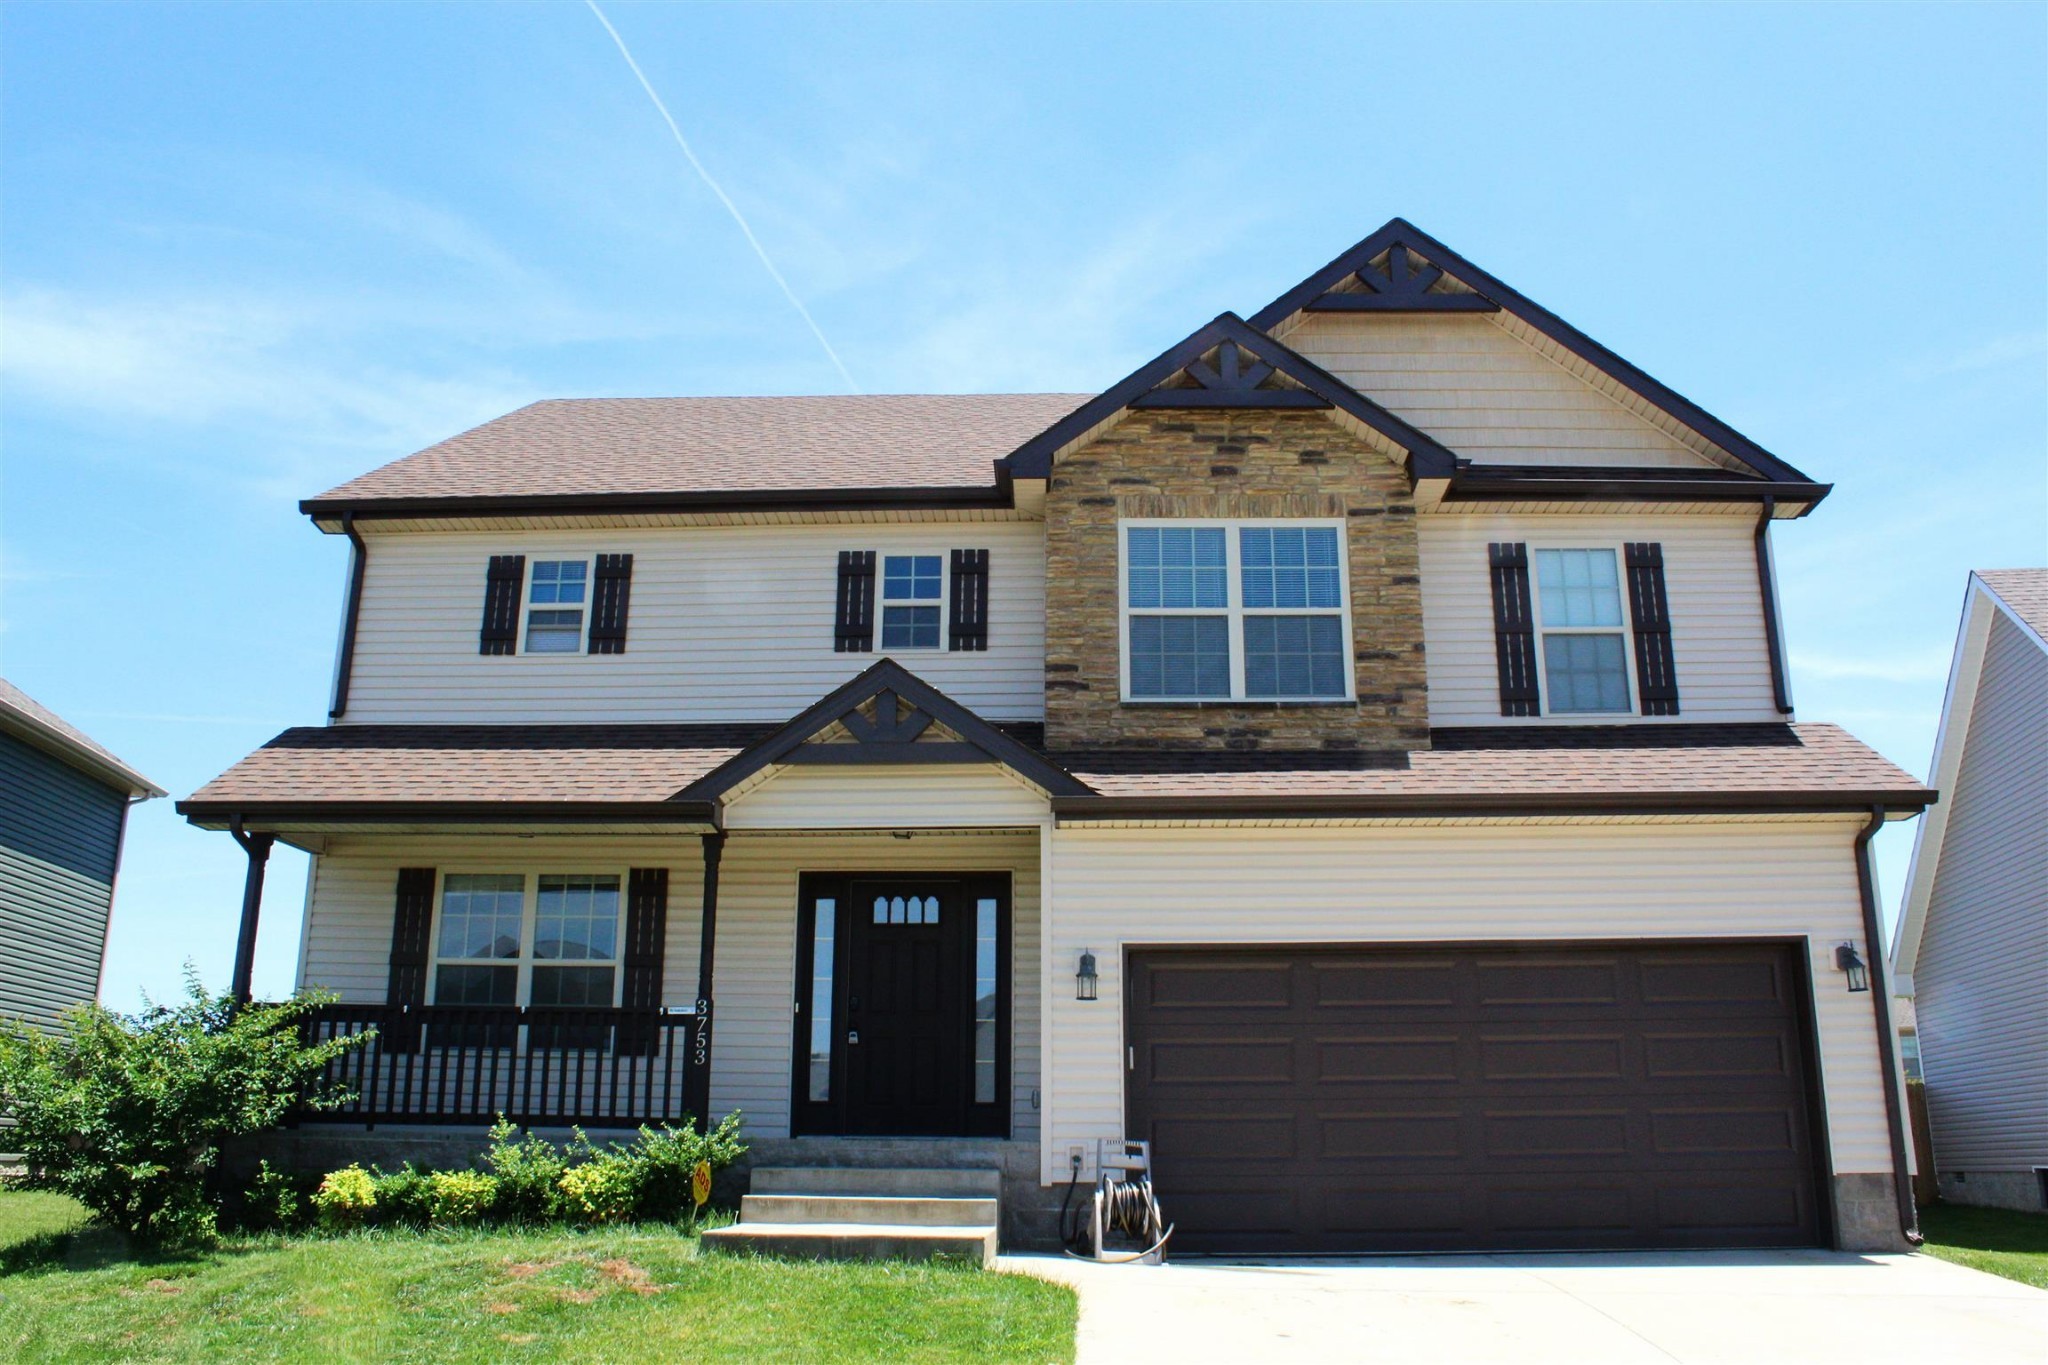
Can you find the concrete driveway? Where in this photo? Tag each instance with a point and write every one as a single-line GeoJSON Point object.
{"type": "Point", "coordinates": [1747, 1308]}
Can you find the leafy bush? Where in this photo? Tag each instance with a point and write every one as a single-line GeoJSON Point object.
{"type": "Point", "coordinates": [271, 1203]}
{"type": "Point", "coordinates": [127, 1114]}
{"type": "Point", "coordinates": [346, 1198]}
{"type": "Point", "coordinates": [403, 1195]}
{"type": "Point", "coordinates": [602, 1188]}
{"type": "Point", "coordinates": [460, 1196]}
{"type": "Point", "coordinates": [668, 1159]}
{"type": "Point", "coordinates": [529, 1174]}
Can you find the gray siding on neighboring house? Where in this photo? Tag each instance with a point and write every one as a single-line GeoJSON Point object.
{"type": "Point", "coordinates": [60, 838]}
{"type": "Point", "coordinates": [1981, 980]}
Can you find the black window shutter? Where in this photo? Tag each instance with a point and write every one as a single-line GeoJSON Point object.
{"type": "Point", "coordinates": [412, 924]}
{"type": "Point", "coordinates": [646, 940]}
{"type": "Point", "coordinates": [969, 627]}
{"type": "Point", "coordinates": [1514, 630]}
{"type": "Point", "coordinates": [609, 599]}
{"type": "Point", "coordinates": [1650, 614]}
{"type": "Point", "coordinates": [500, 633]}
{"type": "Point", "coordinates": [854, 631]}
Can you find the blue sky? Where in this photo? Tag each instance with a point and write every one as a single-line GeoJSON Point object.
{"type": "Point", "coordinates": [251, 250]}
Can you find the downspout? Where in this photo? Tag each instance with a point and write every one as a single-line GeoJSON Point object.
{"type": "Point", "coordinates": [345, 662]}
{"type": "Point", "coordinates": [698, 1094]}
{"type": "Point", "coordinates": [257, 846]}
{"type": "Point", "coordinates": [1881, 1011]}
{"type": "Point", "coordinates": [1766, 584]}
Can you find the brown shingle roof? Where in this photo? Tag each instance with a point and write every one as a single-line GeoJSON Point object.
{"type": "Point", "coordinates": [23, 714]}
{"type": "Point", "coordinates": [2025, 591]}
{"type": "Point", "coordinates": [1638, 764]}
{"type": "Point", "coordinates": [584, 447]}
{"type": "Point", "coordinates": [1607, 767]}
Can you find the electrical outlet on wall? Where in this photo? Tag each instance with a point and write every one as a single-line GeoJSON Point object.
{"type": "Point", "coordinates": [1077, 1156]}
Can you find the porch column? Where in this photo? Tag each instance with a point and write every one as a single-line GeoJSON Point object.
{"type": "Point", "coordinates": [697, 1081]}
{"type": "Point", "coordinates": [257, 846]}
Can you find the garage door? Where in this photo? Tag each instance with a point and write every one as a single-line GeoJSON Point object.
{"type": "Point", "coordinates": [1475, 1097]}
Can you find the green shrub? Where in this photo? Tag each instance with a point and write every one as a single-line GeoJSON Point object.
{"type": "Point", "coordinates": [127, 1114]}
{"type": "Point", "coordinates": [346, 1198]}
{"type": "Point", "coordinates": [601, 1189]}
{"type": "Point", "coordinates": [529, 1174]}
{"type": "Point", "coordinates": [668, 1158]}
{"type": "Point", "coordinates": [403, 1195]}
{"type": "Point", "coordinates": [460, 1196]}
{"type": "Point", "coordinates": [272, 1202]}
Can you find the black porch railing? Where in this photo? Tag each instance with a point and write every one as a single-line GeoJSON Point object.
{"type": "Point", "coordinates": [469, 1064]}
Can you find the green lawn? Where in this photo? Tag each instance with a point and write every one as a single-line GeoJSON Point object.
{"type": "Point", "coordinates": [2000, 1241]}
{"type": "Point", "coordinates": [635, 1293]}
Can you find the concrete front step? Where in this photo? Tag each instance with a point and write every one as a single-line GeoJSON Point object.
{"type": "Point", "coordinates": [879, 1181]}
{"type": "Point", "coordinates": [888, 1210]}
{"type": "Point", "coordinates": [858, 1241]}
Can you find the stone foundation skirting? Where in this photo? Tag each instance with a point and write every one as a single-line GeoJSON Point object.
{"type": "Point", "coordinates": [2020, 1190]}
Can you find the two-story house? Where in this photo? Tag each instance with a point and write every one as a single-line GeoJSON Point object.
{"type": "Point", "coordinates": [1351, 752]}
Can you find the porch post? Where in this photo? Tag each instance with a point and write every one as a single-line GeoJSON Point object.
{"type": "Point", "coordinates": [697, 1081]}
{"type": "Point", "coordinates": [257, 846]}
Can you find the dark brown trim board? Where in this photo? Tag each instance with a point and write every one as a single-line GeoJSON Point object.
{"type": "Point", "coordinates": [451, 812]}
{"type": "Point", "coordinates": [1536, 483]}
{"type": "Point", "coordinates": [997, 496]}
{"type": "Point", "coordinates": [1767, 590]}
{"type": "Point", "coordinates": [1475, 805]}
{"type": "Point", "coordinates": [1887, 1038]}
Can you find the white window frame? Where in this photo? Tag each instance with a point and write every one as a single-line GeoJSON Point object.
{"type": "Point", "coordinates": [529, 917]}
{"type": "Point", "coordinates": [1235, 611]}
{"type": "Point", "coordinates": [1627, 629]}
{"type": "Point", "coordinates": [527, 607]}
{"type": "Point", "coordinates": [882, 603]}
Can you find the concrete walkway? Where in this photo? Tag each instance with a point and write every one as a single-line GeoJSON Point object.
{"type": "Point", "coordinates": [1743, 1308]}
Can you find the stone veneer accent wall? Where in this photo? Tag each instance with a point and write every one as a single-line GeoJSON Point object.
{"type": "Point", "coordinates": [1231, 464]}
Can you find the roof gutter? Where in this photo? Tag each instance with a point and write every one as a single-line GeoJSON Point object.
{"type": "Point", "coordinates": [997, 496]}
{"type": "Point", "coordinates": [1887, 1041]}
{"type": "Point", "coordinates": [1395, 806]}
{"type": "Point", "coordinates": [1494, 486]}
{"type": "Point", "coordinates": [345, 661]}
{"type": "Point", "coordinates": [451, 812]}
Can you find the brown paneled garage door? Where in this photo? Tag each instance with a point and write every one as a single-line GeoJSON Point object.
{"type": "Point", "coordinates": [1476, 1097]}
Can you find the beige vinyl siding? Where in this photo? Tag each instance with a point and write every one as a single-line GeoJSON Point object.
{"type": "Point", "coordinates": [1981, 979]}
{"type": "Point", "coordinates": [1487, 396]}
{"type": "Point", "coordinates": [728, 623]}
{"type": "Point", "coordinates": [912, 796]}
{"type": "Point", "coordinates": [1717, 626]}
{"type": "Point", "coordinates": [1118, 888]}
{"type": "Point", "coordinates": [347, 941]}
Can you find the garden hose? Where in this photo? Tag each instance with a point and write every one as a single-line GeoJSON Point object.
{"type": "Point", "coordinates": [1128, 1207]}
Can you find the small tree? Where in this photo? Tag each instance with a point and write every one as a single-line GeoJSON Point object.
{"type": "Point", "coordinates": [127, 1113]}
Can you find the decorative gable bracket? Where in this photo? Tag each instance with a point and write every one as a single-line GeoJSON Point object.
{"type": "Point", "coordinates": [1400, 282]}
{"type": "Point", "coordinates": [892, 735]}
{"type": "Point", "coordinates": [1228, 377]}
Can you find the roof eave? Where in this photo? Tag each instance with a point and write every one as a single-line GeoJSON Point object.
{"type": "Point", "coordinates": [101, 767]}
{"type": "Point", "coordinates": [1494, 485]}
{"type": "Point", "coordinates": [1478, 805]}
{"type": "Point", "coordinates": [216, 813]}
{"type": "Point", "coordinates": [997, 495]}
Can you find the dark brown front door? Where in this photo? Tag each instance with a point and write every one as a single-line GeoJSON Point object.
{"type": "Point", "coordinates": [1456, 1098]}
{"type": "Point", "coordinates": [903, 1006]}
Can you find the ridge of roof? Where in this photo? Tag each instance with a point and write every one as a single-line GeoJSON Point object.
{"type": "Point", "coordinates": [36, 724]}
{"type": "Point", "coordinates": [1400, 232]}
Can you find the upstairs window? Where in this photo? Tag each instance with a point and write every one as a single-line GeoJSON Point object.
{"type": "Point", "coordinates": [557, 594]}
{"type": "Point", "coordinates": [1583, 632]}
{"type": "Point", "coordinates": [1221, 611]}
{"type": "Point", "coordinates": [912, 588]}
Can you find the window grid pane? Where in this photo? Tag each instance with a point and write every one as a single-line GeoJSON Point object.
{"type": "Point", "coordinates": [910, 627]}
{"type": "Point", "coordinates": [558, 580]}
{"type": "Point", "coordinates": [577, 917]}
{"type": "Point", "coordinates": [476, 985]}
{"type": "Point", "coordinates": [481, 915]}
{"type": "Point", "coordinates": [914, 578]}
{"type": "Point", "coordinates": [1289, 566]}
{"type": "Point", "coordinates": [1585, 673]}
{"type": "Point", "coordinates": [1580, 588]}
{"type": "Point", "coordinates": [1294, 656]}
{"type": "Point", "coordinates": [1178, 567]}
{"type": "Point", "coordinates": [572, 987]}
{"type": "Point", "coordinates": [1180, 656]}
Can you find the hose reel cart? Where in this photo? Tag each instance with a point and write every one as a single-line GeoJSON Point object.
{"type": "Point", "coordinates": [1123, 1223]}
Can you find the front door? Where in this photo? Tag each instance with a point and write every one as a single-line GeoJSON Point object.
{"type": "Point", "coordinates": [902, 1010]}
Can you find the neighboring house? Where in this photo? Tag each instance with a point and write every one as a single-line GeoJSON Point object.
{"type": "Point", "coordinates": [1351, 752]}
{"type": "Point", "coordinates": [1972, 945]}
{"type": "Point", "coordinates": [63, 810]}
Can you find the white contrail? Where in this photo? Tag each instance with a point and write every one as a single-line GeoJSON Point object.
{"type": "Point", "coordinates": [730, 207]}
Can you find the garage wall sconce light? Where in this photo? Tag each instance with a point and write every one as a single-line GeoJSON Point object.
{"type": "Point", "coordinates": [1850, 965]}
{"type": "Point", "coordinates": [1086, 985]}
